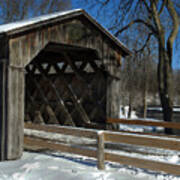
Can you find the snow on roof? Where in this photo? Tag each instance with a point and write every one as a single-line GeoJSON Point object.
{"type": "Point", "coordinates": [19, 24]}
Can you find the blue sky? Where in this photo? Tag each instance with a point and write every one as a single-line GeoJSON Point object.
{"type": "Point", "coordinates": [103, 21]}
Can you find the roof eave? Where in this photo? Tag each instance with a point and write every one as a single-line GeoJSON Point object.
{"type": "Point", "coordinates": [44, 23]}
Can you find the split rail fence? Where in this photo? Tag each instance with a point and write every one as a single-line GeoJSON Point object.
{"type": "Point", "coordinates": [102, 138]}
{"type": "Point", "coordinates": [173, 125]}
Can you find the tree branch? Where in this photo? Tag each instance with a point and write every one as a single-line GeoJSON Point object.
{"type": "Point", "coordinates": [156, 18]}
{"type": "Point", "coordinates": [149, 26]}
{"type": "Point", "coordinates": [147, 7]}
{"type": "Point", "coordinates": [173, 14]}
{"type": "Point", "coordinates": [145, 44]}
{"type": "Point", "coordinates": [103, 2]}
{"type": "Point", "coordinates": [162, 7]}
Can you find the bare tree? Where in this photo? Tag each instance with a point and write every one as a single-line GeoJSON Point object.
{"type": "Point", "coordinates": [160, 19]}
{"type": "Point", "coordinates": [12, 10]}
{"type": "Point", "coordinates": [165, 50]}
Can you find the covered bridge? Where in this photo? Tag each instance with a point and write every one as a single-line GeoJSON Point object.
{"type": "Point", "coordinates": [58, 68]}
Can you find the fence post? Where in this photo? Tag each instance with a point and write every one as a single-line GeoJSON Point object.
{"type": "Point", "coordinates": [100, 150]}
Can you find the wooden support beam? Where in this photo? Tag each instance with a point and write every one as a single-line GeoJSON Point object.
{"type": "Point", "coordinates": [41, 93]}
{"type": "Point", "coordinates": [73, 66]}
{"type": "Point", "coordinates": [98, 110]}
{"type": "Point", "coordinates": [75, 69]}
{"type": "Point", "coordinates": [52, 117]}
{"type": "Point", "coordinates": [77, 103]}
{"type": "Point", "coordinates": [38, 119]}
{"type": "Point", "coordinates": [30, 104]}
{"type": "Point", "coordinates": [60, 101]}
{"type": "Point", "coordinates": [74, 98]}
{"type": "Point", "coordinates": [83, 65]}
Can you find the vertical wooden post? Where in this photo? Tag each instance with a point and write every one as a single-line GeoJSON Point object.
{"type": "Point", "coordinates": [15, 112]}
{"type": "Point", "coordinates": [100, 151]}
{"type": "Point", "coordinates": [3, 120]}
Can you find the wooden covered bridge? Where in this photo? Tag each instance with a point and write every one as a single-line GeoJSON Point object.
{"type": "Point", "coordinates": [59, 68]}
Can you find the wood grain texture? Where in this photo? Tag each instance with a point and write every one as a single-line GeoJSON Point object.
{"type": "Point", "coordinates": [2, 112]}
{"type": "Point", "coordinates": [100, 151]}
{"type": "Point", "coordinates": [148, 141]}
{"type": "Point", "coordinates": [29, 141]}
{"type": "Point", "coordinates": [4, 59]}
{"type": "Point", "coordinates": [148, 133]}
{"type": "Point", "coordinates": [64, 130]}
{"type": "Point", "coordinates": [15, 113]}
{"type": "Point", "coordinates": [145, 123]}
{"type": "Point", "coordinates": [144, 163]}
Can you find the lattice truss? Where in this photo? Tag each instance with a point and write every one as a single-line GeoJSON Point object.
{"type": "Point", "coordinates": [65, 92]}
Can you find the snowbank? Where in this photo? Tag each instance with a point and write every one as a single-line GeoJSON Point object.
{"type": "Point", "coordinates": [58, 166]}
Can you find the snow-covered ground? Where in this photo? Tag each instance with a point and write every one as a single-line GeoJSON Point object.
{"type": "Point", "coordinates": [59, 166]}
{"type": "Point", "coordinates": [123, 112]}
{"type": "Point", "coordinates": [136, 128]}
{"type": "Point", "coordinates": [48, 165]}
{"type": "Point", "coordinates": [62, 166]}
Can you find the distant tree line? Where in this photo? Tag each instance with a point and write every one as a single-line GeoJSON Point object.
{"type": "Point", "coordinates": [139, 85]}
{"type": "Point", "coordinates": [13, 10]}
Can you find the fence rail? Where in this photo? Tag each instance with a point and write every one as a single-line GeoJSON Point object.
{"type": "Point", "coordinates": [64, 130]}
{"type": "Point", "coordinates": [102, 138]}
{"type": "Point", "coordinates": [29, 141]}
{"type": "Point", "coordinates": [173, 125]}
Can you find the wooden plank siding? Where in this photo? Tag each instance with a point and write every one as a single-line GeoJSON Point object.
{"type": "Point", "coordinates": [27, 46]}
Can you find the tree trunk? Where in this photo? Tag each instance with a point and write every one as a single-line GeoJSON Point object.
{"type": "Point", "coordinates": [165, 84]}
{"type": "Point", "coordinates": [130, 106]}
{"type": "Point", "coordinates": [145, 90]}
{"type": "Point", "coordinates": [145, 102]}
